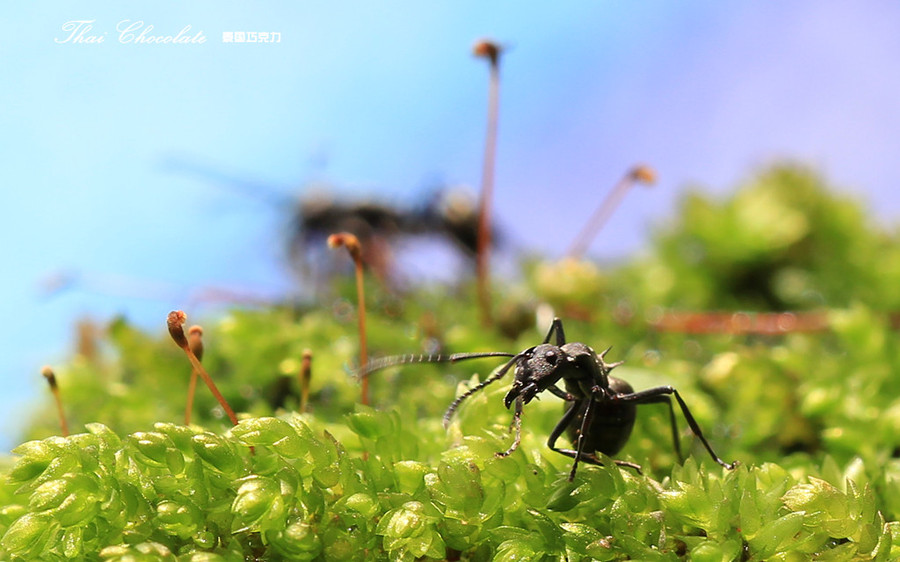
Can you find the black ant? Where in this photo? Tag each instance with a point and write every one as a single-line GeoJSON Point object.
{"type": "Point", "coordinates": [446, 213]}
{"type": "Point", "coordinates": [603, 408]}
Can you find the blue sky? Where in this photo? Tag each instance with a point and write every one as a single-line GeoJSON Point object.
{"type": "Point", "coordinates": [384, 98]}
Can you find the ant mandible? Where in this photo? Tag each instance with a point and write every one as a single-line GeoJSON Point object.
{"type": "Point", "coordinates": [603, 408]}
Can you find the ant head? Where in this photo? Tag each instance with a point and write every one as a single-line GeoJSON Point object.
{"type": "Point", "coordinates": [537, 369]}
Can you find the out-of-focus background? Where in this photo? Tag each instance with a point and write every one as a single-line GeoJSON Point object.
{"type": "Point", "coordinates": [128, 169]}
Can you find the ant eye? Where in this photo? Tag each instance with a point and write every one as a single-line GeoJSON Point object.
{"type": "Point", "coordinates": [551, 357]}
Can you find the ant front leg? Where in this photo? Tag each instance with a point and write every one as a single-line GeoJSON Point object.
{"type": "Point", "coordinates": [654, 395]}
{"type": "Point", "coordinates": [517, 424]}
{"type": "Point", "coordinates": [556, 391]}
{"type": "Point", "coordinates": [577, 453]}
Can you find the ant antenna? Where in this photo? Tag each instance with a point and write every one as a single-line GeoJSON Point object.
{"type": "Point", "coordinates": [195, 341]}
{"type": "Point", "coordinates": [493, 378]}
{"type": "Point", "coordinates": [354, 248]}
{"type": "Point", "coordinates": [305, 375]}
{"type": "Point", "coordinates": [490, 50]}
{"type": "Point", "coordinates": [639, 174]}
{"type": "Point", "coordinates": [174, 322]}
{"type": "Point", "coordinates": [54, 388]}
{"type": "Point", "coordinates": [395, 360]}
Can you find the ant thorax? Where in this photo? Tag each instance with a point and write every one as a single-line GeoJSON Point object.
{"type": "Point", "coordinates": [586, 369]}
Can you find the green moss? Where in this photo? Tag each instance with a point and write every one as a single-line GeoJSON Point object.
{"type": "Point", "coordinates": [812, 418]}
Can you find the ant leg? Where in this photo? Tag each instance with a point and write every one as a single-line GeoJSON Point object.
{"type": "Point", "coordinates": [579, 445]}
{"type": "Point", "coordinates": [556, 326]}
{"type": "Point", "coordinates": [652, 395]}
{"type": "Point", "coordinates": [665, 399]}
{"type": "Point", "coordinates": [636, 467]}
{"type": "Point", "coordinates": [556, 391]}
{"type": "Point", "coordinates": [589, 458]}
{"type": "Point", "coordinates": [561, 427]}
{"type": "Point", "coordinates": [517, 423]}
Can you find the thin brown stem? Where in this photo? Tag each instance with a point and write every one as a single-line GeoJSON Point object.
{"type": "Point", "coordinates": [740, 323]}
{"type": "Point", "coordinates": [175, 322]}
{"type": "Point", "coordinates": [195, 341]}
{"type": "Point", "coordinates": [363, 344]}
{"type": "Point", "coordinates": [491, 51]}
{"type": "Point", "coordinates": [638, 174]}
{"type": "Point", "coordinates": [54, 388]}
{"type": "Point", "coordinates": [192, 388]}
{"type": "Point", "coordinates": [352, 244]}
{"type": "Point", "coordinates": [305, 378]}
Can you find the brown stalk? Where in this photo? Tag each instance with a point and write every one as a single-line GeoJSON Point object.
{"type": "Point", "coordinates": [741, 323]}
{"type": "Point", "coordinates": [54, 388]}
{"type": "Point", "coordinates": [491, 51]}
{"type": "Point", "coordinates": [638, 174]}
{"type": "Point", "coordinates": [175, 321]}
{"type": "Point", "coordinates": [305, 376]}
{"type": "Point", "coordinates": [195, 341]}
{"type": "Point", "coordinates": [351, 242]}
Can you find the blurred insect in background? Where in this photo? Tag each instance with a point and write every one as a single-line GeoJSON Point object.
{"type": "Point", "coordinates": [449, 214]}
{"type": "Point", "coordinates": [601, 408]}
{"type": "Point", "coordinates": [446, 213]}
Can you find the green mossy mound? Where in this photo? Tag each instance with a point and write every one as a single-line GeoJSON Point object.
{"type": "Point", "coordinates": [814, 418]}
